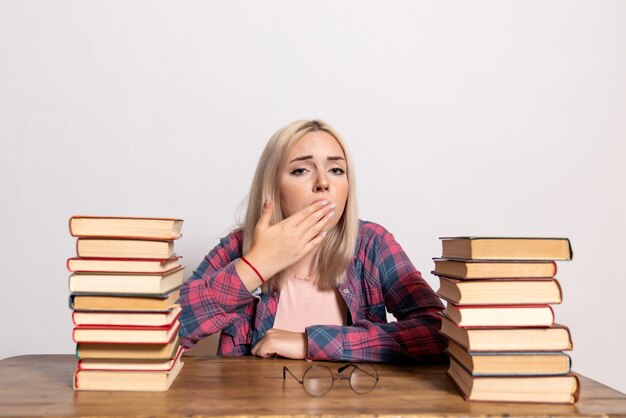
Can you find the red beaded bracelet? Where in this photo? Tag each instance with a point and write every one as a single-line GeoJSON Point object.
{"type": "Point", "coordinates": [252, 267]}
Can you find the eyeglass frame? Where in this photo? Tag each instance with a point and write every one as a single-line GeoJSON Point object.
{"type": "Point", "coordinates": [333, 377]}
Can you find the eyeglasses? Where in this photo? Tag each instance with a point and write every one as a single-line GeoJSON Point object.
{"type": "Point", "coordinates": [318, 380]}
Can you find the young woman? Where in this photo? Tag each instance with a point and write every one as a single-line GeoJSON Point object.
{"type": "Point", "coordinates": [304, 277]}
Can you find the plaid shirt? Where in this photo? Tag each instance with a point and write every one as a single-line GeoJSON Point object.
{"type": "Point", "coordinates": [379, 276]}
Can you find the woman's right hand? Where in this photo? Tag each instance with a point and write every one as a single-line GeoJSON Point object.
{"type": "Point", "coordinates": [276, 247]}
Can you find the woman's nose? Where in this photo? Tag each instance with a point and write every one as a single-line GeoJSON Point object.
{"type": "Point", "coordinates": [321, 185]}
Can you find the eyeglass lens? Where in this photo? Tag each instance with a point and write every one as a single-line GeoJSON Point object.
{"type": "Point", "coordinates": [317, 380]}
{"type": "Point", "coordinates": [363, 378]}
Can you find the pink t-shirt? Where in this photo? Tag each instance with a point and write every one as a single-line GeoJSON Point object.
{"type": "Point", "coordinates": [303, 304]}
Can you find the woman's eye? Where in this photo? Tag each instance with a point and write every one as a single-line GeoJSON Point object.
{"type": "Point", "coordinates": [338, 171]}
{"type": "Point", "coordinates": [297, 172]}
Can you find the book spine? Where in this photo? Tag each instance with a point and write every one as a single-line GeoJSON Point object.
{"type": "Point", "coordinates": [70, 226]}
{"type": "Point", "coordinates": [576, 393]}
{"type": "Point", "coordinates": [553, 316]}
{"type": "Point", "coordinates": [558, 285]}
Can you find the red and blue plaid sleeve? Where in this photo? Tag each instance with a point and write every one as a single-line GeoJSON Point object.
{"type": "Point", "coordinates": [214, 298]}
{"type": "Point", "coordinates": [413, 337]}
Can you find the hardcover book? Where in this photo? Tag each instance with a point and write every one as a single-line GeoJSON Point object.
{"type": "Point", "coordinates": [473, 269]}
{"type": "Point", "coordinates": [543, 389]}
{"type": "Point", "coordinates": [126, 283]}
{"type": "Point", "coordinates": [136, 319]}
{"type": "Point", "coordinates": [122, 265]}
{"type": "Point", "coordinates": [123, 248]}
{"type": "Point", "coordinates": [125, 335]}
{"type": "Point", "coordinates": [129, 364]}
{"type": "Point", "coordinates": [527, 363]}
{"type": "Point", "coordinates": [127, 380]}
{"type": "Point", "coordinates": [91, 302]}
{"type": "Point", "coordinates": [127, 351]}
{"type": "Point", "coordinates": [500, 315]}
{"type": "Point", "coordinates": [554, 338]}
{"type": "Point", "coordinates": [506, 248]}
{"type": "Point", "coordinates": [499, 292]}
{"type": "Point", "coordinates": [125, 227]}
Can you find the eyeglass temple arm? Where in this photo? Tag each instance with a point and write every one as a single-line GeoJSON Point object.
{"type": "Point", "coordinates": [286, 370]}
{"type": "Point", "coordinates": [341, 369]}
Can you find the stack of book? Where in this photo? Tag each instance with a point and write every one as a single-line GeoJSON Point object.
{"type": "Point", "coordinates": [503, 342]}
{"type": "Point", "coordinates": [124, 286]}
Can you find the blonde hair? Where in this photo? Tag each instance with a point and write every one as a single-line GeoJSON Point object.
{"type": "Point", "coordinates": [337, 249]}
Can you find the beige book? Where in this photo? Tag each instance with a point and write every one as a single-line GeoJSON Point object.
{"type": "Point", "coordinates": [125, 302]}
{"type": "Point", "coordinates": [129, 335]}
{"type": "Point", "coordinates": [123, 265]}
{"type": "Point", "coordinates": [499, 292]}
{"type": "Point", "coordinates": [554, 338]}
{"type": "Point", "coordinates": [137, 319]}
{"type": "Point", "coordinates": [511, 363]}
{"type": "Point", "coordinates": [506, 248]}
{"type": "Point", "coordinates": [124, 248]}
{"type": "Point", "coordinates": [125, 227]}
{"type": "Point", "coordinates": [127, 380]}
{"type": "Point", "coordinates": [133, 283]}
{"type": "Point", "coordinates": [127, 351]}
{"type": "Point", "coordinates": [543, 389]}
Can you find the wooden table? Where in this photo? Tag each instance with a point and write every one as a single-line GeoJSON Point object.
{"type": "Point", "coordinates": [41, 385]}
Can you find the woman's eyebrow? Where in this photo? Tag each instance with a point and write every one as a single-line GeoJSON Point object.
{"type": "Point", "coordinates": [310, 157]}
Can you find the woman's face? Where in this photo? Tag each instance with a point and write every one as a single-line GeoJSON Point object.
{"type": "Point", "coordinates": [316, 170]}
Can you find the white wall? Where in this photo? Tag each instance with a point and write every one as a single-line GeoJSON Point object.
{"type": "Point", "coordinates": [481, 118]}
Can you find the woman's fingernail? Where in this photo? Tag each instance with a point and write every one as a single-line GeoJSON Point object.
{"type": "Point", "coordinates": [331, 214]}
{"type": "Point", "coordinates": [334, 205]}
{"type": "Point", "coordinates": [325, 202]}
{"type": "Point", "coordinates": [323, 234]}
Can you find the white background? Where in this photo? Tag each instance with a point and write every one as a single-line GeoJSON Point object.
{"type": "Point", "coordinates": [464, 118]}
